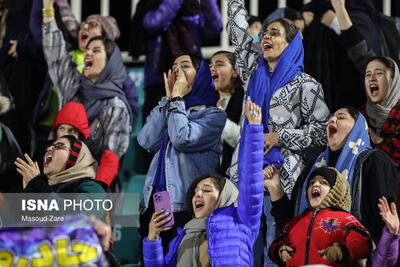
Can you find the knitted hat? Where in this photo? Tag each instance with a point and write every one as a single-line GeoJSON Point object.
{"type": "Point", "coordinates": [76, 146]}
{"type": "Point", "coordinates": [108, 24]}
{"type": "Point", "coordinates": [73, 114]}
{"type": "Point", "coordinates": [328, 173]}
{"type": "Point", "coordinates": [339, 194]}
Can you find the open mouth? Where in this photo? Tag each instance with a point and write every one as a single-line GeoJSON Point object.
{"type": "Point", "coordinates": [84, 36]}
{"type": "Point", "coordinates": [267, 47]}
{"type": "Point", "coordinates": [331, 130]}
{"type": "Point", "coordinates": [315, 193]}
{"type": "Point", "coordinates": [198, 205]}
{"type": "Point", "coordinates": [88, 63]}
{"type": "Point", "coordinates": [48, 159]}
{"type": "Point", "coordinates": [215, 78]}
{"type": "Point", "coordinates": [374, 89]}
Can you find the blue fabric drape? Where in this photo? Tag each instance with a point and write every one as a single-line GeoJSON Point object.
{"type": "Point", "coordinates": [261, 88]}
{"type": "Point", "coordinates": [357, 142]}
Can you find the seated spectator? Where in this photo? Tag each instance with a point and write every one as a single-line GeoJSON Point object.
{"type": "Point", "coordinates": [231, 97]}
{"type": "Point", "coordinates": [325, 233]}
{"type": "Point", "coordinates": [370, 173]}
{"type": "Point", "coordinates": [99, 88]}
{"type": "Point", "coordinates": [387, 253]}
{"type": "Point", "coordinates": [185, 129]}
{"type": "Point", "coordinates": [226, 221]}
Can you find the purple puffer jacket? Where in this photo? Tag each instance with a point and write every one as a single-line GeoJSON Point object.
{"type": "Point", "coordinates": [231, 230]}
{"type": "Point", "coordinates": [387, 253]}
{"type": "Point", "coordinates": [206, 25]}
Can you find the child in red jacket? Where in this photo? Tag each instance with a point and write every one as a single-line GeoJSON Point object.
{"type": "Point", "coordinates": [325, 233]}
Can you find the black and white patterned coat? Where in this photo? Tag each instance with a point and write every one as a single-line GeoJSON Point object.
{"type": "Point", "coordinates": [298, 112]}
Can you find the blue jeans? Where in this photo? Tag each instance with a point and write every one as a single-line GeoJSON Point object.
{"type": "Point", "coordinates": [270, 231]}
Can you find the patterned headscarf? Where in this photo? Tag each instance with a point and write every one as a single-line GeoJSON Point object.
{"type": "Point", "coordinates": [357, 142]}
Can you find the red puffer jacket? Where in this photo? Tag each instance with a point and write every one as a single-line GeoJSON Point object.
{"type": "Point", "coordinates": [316, 230]}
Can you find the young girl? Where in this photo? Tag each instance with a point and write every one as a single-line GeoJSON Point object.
{"type": "Point", "coordinates": [325, 233]}
{"type": "Point", "coordinates": [231, 94]}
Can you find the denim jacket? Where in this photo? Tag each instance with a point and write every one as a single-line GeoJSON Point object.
{"type": "Point", "coordinates": [192, 150]}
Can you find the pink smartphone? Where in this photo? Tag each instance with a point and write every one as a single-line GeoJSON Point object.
{"type": "Point", "coordinates": [162, 200]}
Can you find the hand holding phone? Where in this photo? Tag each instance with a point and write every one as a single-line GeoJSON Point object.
{"type": "Point", "coordinates": [162, 202]}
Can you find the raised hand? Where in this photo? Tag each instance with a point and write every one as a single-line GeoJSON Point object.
{"type": "Point", "coordinates": [169, 81]}
{"type": "Point", "coordinates": [338, 4]}
{"type": "Point", "coordinates": [181, 86]}
{"type": "Point", "coordinates": [308, 17]}
{"type": "Point", "coordinates": [28, 170]}
{"type": "Point", "coordinates": [48, 3]}
{"type": "Point", "coordinates": [327, 18]}
{"type": "Point", "coordinates": [253, 112]}
{"type": "Point", "coordinates": [389, 215]}
{"type": "Point", "coordinates": [158, 219]}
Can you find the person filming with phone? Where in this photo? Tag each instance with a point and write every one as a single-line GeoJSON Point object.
{"type": "Point", "coordinates": [185, 128]}
{"type": "Point", "coordinates": [225, 220]}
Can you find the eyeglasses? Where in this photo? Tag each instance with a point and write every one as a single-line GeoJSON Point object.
{"type": "Point", "coordinates": [58, 146]}
{"type": "Point", "coordinates": [271, 33]}
{"type": "Point", "coordinates": [91, 25]}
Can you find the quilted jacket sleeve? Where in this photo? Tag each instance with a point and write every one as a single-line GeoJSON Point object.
{"type": "Point", "coordinates": [153, 253]}
{"type": "Point", "coordinates": [251, 180]}
{"type": "Point", "coordinates": [387, 253]}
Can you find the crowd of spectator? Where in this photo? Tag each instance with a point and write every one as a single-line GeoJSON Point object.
{"type": "Point", "coordinates": [284, 151]}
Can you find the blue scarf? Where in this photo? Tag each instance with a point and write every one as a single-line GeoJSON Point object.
{"type": "Point", "coordinates": [203, 93]}
{"type": "Point", "coordinates": [261, 88]}
{"type": "Point", "coordinates": [357, 142]}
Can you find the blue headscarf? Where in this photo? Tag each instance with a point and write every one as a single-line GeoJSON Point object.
{"type": "Point", "coordinates": [357, 142]}
{"type": "Point", "coordinates": [261, 88]}
{"type": "Point", "coordinates": [203, 93]}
